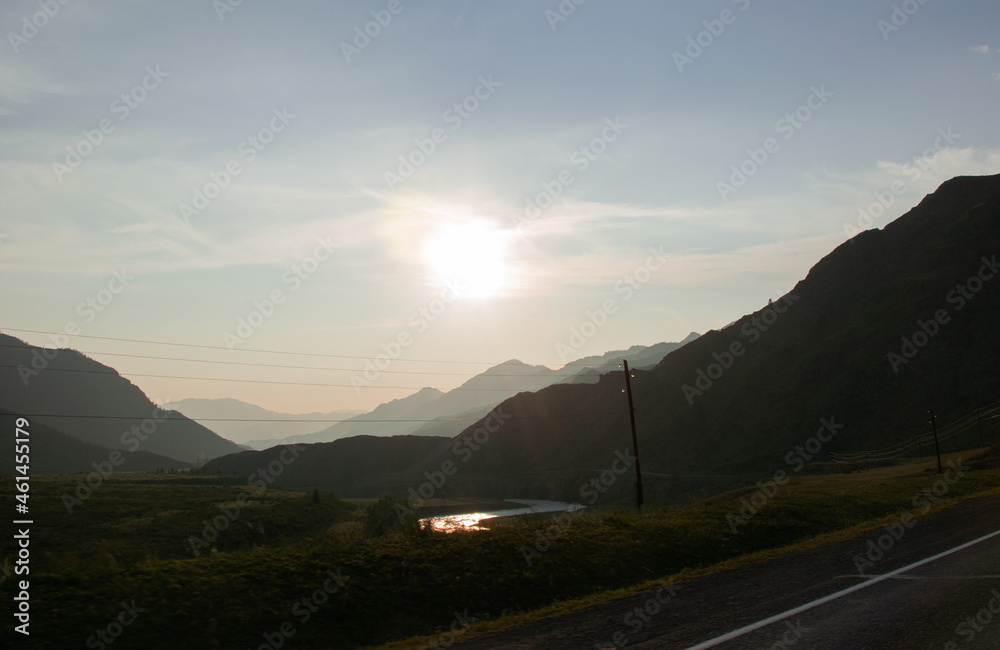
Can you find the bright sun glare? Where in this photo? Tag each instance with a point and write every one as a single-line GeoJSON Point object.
{"type": "Point", "coordinates": [471, 254]}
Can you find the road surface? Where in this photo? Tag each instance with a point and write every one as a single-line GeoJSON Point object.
{"type": "Point", "coordinates": [944, 603]}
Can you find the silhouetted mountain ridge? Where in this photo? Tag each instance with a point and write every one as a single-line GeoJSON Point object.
{"type": "Point", "coordinates": [101, 405]}
{"type": "Point", "coordinates": [740, 400]}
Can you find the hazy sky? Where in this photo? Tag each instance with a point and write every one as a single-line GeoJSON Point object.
{"type": "Point", "coordinates": [507, 167]}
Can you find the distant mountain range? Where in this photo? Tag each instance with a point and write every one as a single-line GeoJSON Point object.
{"type": "Point", "coordinates": [82, 409]}
{"type": "Point", "coordinates": [242, 422]}
{"type": "Point", "coordinates": [890, 324]}
{"type": "Point", "coordinates": [79, 396]}
{"type": "Point", "coordinates": [432, 412]}
{"type": "Point", "coordinates": [640, 357]}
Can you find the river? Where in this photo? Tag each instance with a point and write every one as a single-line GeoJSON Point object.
{"type": "Point", "coordinates": [471, 521]}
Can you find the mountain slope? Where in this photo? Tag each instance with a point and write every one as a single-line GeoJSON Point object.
{"type": "Point", "coordinates": [103, 407]}
{"type": "Point", "coordinates": [358, 466]}
{"type": "Point", "coordinates": [825, 357]}
{"type": "Point", "coordinates": [54, 452]}
{"type": "Point", "coordinates": [413, 413]}
{"type": "Point", "coordinates": [638, 356]}
{"type": "Point", "coordinates": [396, 417]}
{"type": "Point", "coordinates": [493, 386]}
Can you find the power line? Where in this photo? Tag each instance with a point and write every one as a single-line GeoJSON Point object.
{"type": "Point", "coordinates": [278, 365]}
{"type": "Point", "coordinates": [221, 347]}
{"type": "Point", "coordinates": [365, 421]}
{"type": "Point", "coordinates": [952, 430]}
{"type": "Point", "coordinates": [115, 373]}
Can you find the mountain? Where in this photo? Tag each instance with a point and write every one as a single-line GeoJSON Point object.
{"type": "Point", "coordinates": [53, 452]}
{"type": "Point", "coordinates": [414, 414]}
{"type": "Point", "coordinates": [435, 413]}
{"type": "Point", "coordinates": [391, 418]}
{"type": "Point", "coordinates": [214, 413]}
{"type": "Point", "coordinates": [352, 467]}
{"type": "Point", "coordinates": [588, 369]}
{"type": "Point", "coordinates": [890, 324]}
{"type": "Point", "coordinates": [68, 391]}
{"type": "Point", "coordinates": [493, 386]}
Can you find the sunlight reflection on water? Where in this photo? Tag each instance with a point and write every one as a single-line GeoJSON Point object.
{"type": "Point", "coordinates": [452, 523]}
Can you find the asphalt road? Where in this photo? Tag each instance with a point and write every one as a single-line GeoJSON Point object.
{"type": "Point", "coordinates": [942, 604]}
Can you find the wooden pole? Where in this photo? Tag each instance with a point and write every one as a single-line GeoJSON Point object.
{"type": "Point", "coordinates": [635, 439]}
{"type": "Point", "coordinates": [937, 449]}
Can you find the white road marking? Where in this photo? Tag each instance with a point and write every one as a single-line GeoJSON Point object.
{"type": "Point", "coordinates": [711, 643]}
{"type": "Point", "coordinates": [928, 577]}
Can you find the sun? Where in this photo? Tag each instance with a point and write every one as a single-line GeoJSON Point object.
{"type": "Point", "coordinates": [470, 255]}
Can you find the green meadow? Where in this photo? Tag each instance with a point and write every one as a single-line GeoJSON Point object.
{"type": "Point", "coordinates": [308, 570]}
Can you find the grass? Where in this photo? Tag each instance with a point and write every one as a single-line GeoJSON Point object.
{"type": "Point", "coordinates": [130, 541]}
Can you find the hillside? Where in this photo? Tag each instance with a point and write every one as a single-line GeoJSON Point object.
{"type": "Point", "coordinates": [92, 402]}
{"type": "Point", "coordinates": [821, 353]}
{"type": "Point", "coordinates": [826, 356]}
{"type": "Point", "coordinates": [413, 413]}
{"type": "Point", "coordinates": [395, 417]}
{"type": "Point", "coordinates": [429, 411]}
{"type": "Point", "coordinates": [638, 356]}
{"type": "Point", "coordinates": [358, 466]}
{"type": "Point", "coordinates": [54, 452]}
{"type": "Point", "coordinates": [740, 403]}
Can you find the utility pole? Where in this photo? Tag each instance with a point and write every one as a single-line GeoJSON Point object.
{"type": "Point", "coordinates": [979, 423]}
{"type": "Point", "coordinates": [936, 447]}
{"type": "Point", "coordinates": [635, 440]}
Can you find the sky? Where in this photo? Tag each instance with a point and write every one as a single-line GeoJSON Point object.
{"type": "Point", "coordinates": [454, 183]}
